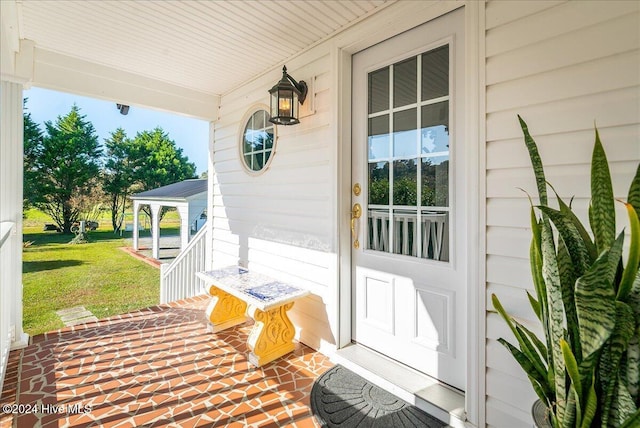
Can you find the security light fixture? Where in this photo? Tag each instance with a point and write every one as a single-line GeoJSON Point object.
{"type": "Point", "coordinates": [124, 109]}
{"type": "Point", "coordinates": [285, 96]}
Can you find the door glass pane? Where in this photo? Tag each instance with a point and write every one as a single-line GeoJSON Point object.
{"type": "Point", "coordinates": [404, 82]}
{"type": "Point", "coordinates": [379, 137]}
{"type": "Point", "coordinates": [434, 235]}
{"type": "Point", "coordinates": [435, 73]}
{"type": "Point", "coordinates": [435, 181]}
{"type": "Point", "coordinates": [378, 229]}
{"type": "Point", "coordinates": [405, 133]}
{"type": "Point", "coordinates": [405, 182]}
{"type": "Point", "coordinates": [408, 188]}
{"type": "Point", "coordinates": [379, 90]}
{"type": "Point", "coordinates": [434, 115]}
{"type": "Point", "coordinates": [379, 183]}
{"type": "Point", "coordinates": [405, 238]}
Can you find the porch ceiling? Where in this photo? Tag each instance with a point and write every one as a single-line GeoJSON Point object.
{"type": "Point", "coordinates": [210, 47]}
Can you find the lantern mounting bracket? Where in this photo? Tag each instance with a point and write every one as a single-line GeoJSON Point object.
{"type": "Point", "coordinates": [300, 86]}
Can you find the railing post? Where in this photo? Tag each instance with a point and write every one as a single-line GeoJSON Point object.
{"type": "Point", "coordinates": [163, 284]}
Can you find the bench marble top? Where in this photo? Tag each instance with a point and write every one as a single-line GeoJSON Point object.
{"type": "Point", "coordinates": [254, 288]}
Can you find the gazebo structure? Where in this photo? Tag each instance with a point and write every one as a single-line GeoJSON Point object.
{"type": "Point", "coordinates": [189, 197]}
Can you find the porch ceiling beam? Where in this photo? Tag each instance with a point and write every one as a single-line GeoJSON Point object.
{"type": "Point", "coordinates": [68, 74]}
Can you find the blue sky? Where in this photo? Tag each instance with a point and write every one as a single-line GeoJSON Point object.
{"type": "Point", "coordinates": [191, 135]}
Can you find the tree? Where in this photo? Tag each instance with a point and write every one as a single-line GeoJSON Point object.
{"type": "Point", "coordinates": [67, 167]}
{"type": "Point", "coordinates": [148, 161]}
{"type": "Point", "coordinates": [159, 162]}
{"type": "Point", "coordinates": [118, 175]}
{"type": "Point", "coordinates": [32, 145]}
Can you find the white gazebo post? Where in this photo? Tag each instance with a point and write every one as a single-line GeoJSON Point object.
{"type": "Point", "coordinates": [136, 233]}
{"type": "Point", "coordinates": [185, 231]}
{"type": "Point", "coordinates": [155, 230]}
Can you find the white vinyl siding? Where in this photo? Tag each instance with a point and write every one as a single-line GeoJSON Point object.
{"type": "Point", "coordinates": [281, 222]}
{"type": "Point", "coordinates": [562, 66]}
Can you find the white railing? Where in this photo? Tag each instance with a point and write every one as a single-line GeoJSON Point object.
{"type": "Point", "coordinates": [404, 238]}
{"type": "Point", "coordinates": [178, 279]}
{"type": "Point", "coordinates": [6, 281]}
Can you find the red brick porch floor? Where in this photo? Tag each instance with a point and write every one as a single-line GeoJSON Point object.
{"type": "Point", "coordinates": [157, 367]}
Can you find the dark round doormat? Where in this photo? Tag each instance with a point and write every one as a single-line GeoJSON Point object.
{"type": "Point", "coordinates": [341, 398]}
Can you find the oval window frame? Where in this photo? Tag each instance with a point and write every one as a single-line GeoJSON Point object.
{"type": "Point", "coordinates": [241, 134]}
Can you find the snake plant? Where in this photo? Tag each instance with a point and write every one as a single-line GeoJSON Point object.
{"type": "Point", "coordinates": [586, 369]}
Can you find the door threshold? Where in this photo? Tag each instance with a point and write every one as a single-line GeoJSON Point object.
{"type": "Point", "coordinates": [436, 398]}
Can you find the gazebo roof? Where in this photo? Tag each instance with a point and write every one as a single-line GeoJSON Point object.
{"type": "Point", "coordinates": [181, 190]}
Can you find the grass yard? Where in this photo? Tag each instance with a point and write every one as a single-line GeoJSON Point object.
{"type": "Point", "coordinates": [97, 275]}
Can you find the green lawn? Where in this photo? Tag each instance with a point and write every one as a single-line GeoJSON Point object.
{"type": "Point", "coordinates": [97, 275]}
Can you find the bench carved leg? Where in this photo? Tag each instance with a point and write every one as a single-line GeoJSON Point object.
{"type": "Point", "coordinates": [271, 336]}
{"type": "Point", "coordinates": [224, 310]}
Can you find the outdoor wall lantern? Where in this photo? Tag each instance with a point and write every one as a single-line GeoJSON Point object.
{"type": "Point", "coordinates": [285, 96]}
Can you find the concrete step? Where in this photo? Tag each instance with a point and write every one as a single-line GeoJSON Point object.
{"type": "Point", "coordinates": [437, 399]}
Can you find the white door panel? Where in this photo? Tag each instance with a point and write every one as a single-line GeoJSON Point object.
{"type": "Point", "coordinates": [408, 258]}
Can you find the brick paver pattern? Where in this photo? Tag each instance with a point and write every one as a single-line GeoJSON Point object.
{"type": "Point", "coordinates": [158, 367]}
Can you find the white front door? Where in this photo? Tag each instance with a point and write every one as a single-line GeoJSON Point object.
{"type": "Point", "coordinates": [408, 148]}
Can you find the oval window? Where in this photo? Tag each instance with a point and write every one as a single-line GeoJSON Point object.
{"type": "Point", "coordinates": [258, 141]}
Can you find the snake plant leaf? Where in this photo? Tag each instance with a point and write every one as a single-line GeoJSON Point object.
{"type": "Point", "coordinates": [590, 407]}
{"type": "Point", "coordinates": [535, 256]}
{"type": "Point", "coordinates": [612, 353]}
{"type": "Point", "coordinates": [526, 346]}
{"type": "Point", "coordinates": [569, 214]}
{"type": "Point", "coordinates": [623, 408]}
{"type": "Point", "coordinates": [572, 414]}
{"type": "Point", "coordinates": [633, 421]}
{"type": "Point", "coordinates": [634, 192]}
{"type": "Point", "coordinates": [535, 305]}
{"type": "Point", "coordinates": [602, 204]}
{"type": "Point", "coordinates": [540, 385]}
{"type": "Point", "coordinates": [632, 370]}
{"type": "Point", "coordinates": [572, 239]}
{"type": "Point", "coordinates": [631, 269]}
{"type": "Point", "coordinates": [555, 309]}
{"type": "Point", "coordinates": [536, 162]}
{"type": "Point", "coordinates": [540, 346]}
{"type": "Point", "coordinates": [530, 349]}
{"type": "Point", "coordinates": [568, 277]}
{"type": "Point", "coordinates": [595, 300]}
{"type": "Point", "coordinates": [574, 374]}
{"type": "Point", "coordinates": [634, 296]}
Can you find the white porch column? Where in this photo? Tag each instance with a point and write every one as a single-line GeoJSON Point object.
{"type": "Point", "coordinates": [211, 182]}
{"type": "Point", "coordinates": [11, 191]}
{"type": "Point", "coordinates": [136, 233]}
{"type": "Point", "coordinates": [185, 231]}
{"type": "Point", "coordinates": [155, 230]}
